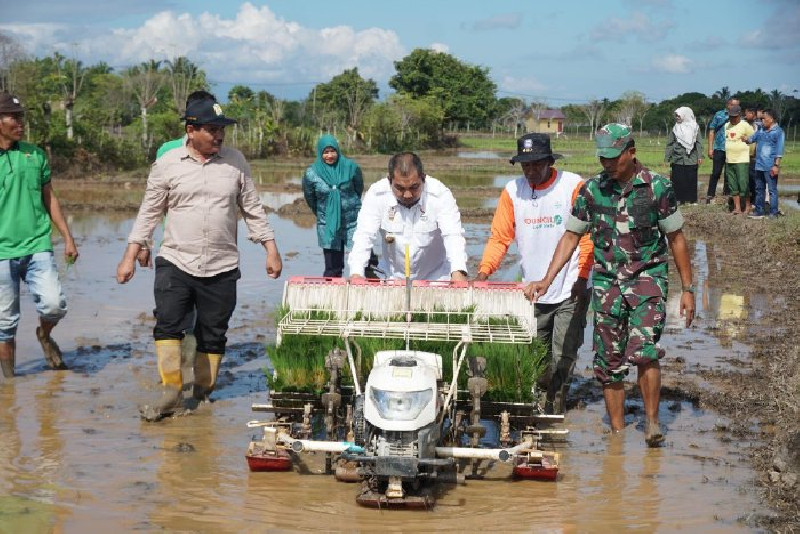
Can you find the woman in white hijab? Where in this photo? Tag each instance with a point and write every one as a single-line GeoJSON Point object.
{"type": "Point", "coordinates": [683, 154]}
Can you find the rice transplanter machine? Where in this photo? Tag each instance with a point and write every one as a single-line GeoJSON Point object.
{"type": "Point", "coordinates": [406, 426]}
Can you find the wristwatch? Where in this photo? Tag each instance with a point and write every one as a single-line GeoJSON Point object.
{"type": "Point", "coordinates": [689, 289]}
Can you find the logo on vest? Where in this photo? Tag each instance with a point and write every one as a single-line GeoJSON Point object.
{"type": "Point", "coordinates": [543, 221]}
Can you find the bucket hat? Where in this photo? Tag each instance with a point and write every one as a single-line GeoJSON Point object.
{"type": "Point", "coordinates": [533, 147]}
{"type": "Point", "coordinates": [10, 104]}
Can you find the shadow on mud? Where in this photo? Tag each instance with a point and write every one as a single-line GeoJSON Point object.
{"type": "Point", "coordinates": [83, 360]}
{"type": "Point", "coordinates": [242, 371]}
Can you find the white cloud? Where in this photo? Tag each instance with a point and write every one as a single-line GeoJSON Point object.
{"type": "Point", "coordinates": [34, 37]}
{"type": "Point", "coordinates": [255, 46]}
{"type": "Point", "coordinates": [673, 64]}
{"type": "Point", "coordinates": [638, 25]}
{"type": "Point", "coordinates": [440, 47]}
{"type": "Point", "coordinates": [778, 32]}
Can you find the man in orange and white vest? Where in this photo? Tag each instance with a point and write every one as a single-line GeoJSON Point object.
{"type": "Point", "coordinates": [533, 210]}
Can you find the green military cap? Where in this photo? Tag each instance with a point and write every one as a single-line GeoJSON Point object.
{"type": "Point", "coordinates": [611, 140]}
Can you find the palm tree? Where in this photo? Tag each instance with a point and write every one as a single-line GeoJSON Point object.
{"type": "Point", "coordinates": [183, 76]}
{"type": "Point", "coordinates": [777, 102]}
{"type": "Point", "coordinates": [145, 80]}
{"type": "Point", "coordinates": [723, 94]}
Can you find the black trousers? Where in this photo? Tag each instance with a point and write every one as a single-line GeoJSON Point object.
{"type": "Point", "coordinates": [178, 293]}
{"type": "Point", "coordinates": [716, 171]}
{"type": "Point", "coordinates": [684, 183]}
{"type": "Point", "coordinates": [334, 262]}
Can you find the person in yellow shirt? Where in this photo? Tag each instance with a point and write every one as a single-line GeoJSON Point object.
{"type": "Point", "coordinates": [737, 159]}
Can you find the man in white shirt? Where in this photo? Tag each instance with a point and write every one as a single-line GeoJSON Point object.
{"type": "Point", "coordinates": [410, 208]}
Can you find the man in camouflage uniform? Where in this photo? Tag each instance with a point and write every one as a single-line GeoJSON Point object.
{"type": "Point", "coordinates": [631, 215]}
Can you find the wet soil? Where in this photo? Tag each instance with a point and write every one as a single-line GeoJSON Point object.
{"type": "Point", "coordinates": [761, 392]}
{"type": "Point", "coordinates": [75, 457]}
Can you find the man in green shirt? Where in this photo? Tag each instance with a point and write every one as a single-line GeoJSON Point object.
{"type": "Point", "coordinates": [632, 216]}
{"type": "Point", "coordinates": [28, 205]}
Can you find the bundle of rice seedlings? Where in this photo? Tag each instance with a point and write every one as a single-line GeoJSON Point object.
{"type": "Point", "coordinates": [299, 363]}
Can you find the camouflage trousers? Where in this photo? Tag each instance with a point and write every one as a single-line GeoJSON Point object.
{"type": "Point", "coordinates": [627, 328]}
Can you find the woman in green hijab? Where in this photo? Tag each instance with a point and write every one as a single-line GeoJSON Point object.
{"type": "Point", "coordinates": [332, 187]}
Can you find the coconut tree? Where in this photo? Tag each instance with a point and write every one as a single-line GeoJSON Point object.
{"type": "Point", "coordinates": [144, 81]}
{"type": "Point", "coordinates": [184, 76]}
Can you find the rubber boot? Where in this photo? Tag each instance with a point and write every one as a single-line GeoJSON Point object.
{"type": "Point", "coordinates": [206, 369]}
{"type": "Point", "coordinates": [168, 354]}
{"type": "Point", "coordinates": [7, 358]}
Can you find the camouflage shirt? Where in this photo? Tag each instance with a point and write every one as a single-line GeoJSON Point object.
{"type": "Point", "coordinates": [628, 224]}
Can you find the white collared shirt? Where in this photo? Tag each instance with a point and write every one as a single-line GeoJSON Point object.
{"type": "Point", "coordinates": [431, 228]}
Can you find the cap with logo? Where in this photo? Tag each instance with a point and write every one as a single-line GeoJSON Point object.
{"type": "Point", "coordinates": [611, 140]}
{"type": "Point", "coordinates": [206, 112]}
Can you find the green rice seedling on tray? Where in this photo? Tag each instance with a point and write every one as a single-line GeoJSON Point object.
{"type": "Point", "coordinates": [298, 365]}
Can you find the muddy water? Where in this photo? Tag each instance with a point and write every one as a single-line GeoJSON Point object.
{"type": "Point", "coordinates": [74, 456]}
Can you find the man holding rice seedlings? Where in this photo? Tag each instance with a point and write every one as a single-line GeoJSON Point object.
{"type": "Point", "coordinates": [410, 212]}
{"type": "Point", "coordinates": [631, 215]}
{"type": "Point", "coordinates": [533, 211]}
{"type": "Point", "coordinates": [203, 185]}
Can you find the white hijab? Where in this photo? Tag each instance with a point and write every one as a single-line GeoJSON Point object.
{"type": "Point", "coordinates": [686, 130]}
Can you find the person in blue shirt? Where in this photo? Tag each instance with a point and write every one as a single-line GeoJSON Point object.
{"type": "Point", "coordinates": [769, 151]}
{"type": "Point", "coordinates": [716, 149]}
{"type": "Point", "coordinates": [752, 117]}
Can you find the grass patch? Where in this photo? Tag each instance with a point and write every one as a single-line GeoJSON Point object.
{"type": "Point", "coordinates": [579, 154]}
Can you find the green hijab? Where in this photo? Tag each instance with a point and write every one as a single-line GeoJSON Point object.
{"type": "Point", "coordinates": [333, 175]}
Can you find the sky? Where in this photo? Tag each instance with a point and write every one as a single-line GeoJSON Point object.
{"type": "Point", "coordinates": [561, 52]}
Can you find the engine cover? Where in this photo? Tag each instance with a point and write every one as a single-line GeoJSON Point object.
{"type": "Point", "coordinates": [401, 392]}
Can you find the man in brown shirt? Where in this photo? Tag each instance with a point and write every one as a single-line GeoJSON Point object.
{"type": "Point", "coordinates": [202, 186]}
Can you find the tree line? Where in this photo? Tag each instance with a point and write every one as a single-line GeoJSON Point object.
{"type": "Point", "coordinates": [93, 118]}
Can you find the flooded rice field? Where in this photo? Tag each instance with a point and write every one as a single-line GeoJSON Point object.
{"type": "Point", "coordinates": [75, 457]}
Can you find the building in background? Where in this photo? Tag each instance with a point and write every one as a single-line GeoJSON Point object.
{"type": "Point", "coordinates": [549, 121]}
